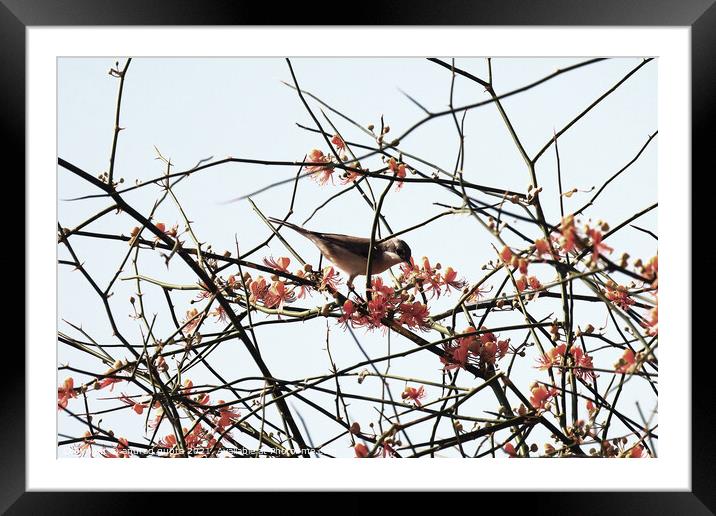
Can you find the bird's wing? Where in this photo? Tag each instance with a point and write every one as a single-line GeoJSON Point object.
{"type": "Point", "coordinates": [356, 245]}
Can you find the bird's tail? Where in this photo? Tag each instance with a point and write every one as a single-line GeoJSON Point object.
{"type": "Point", "coordinates": [288, 224]}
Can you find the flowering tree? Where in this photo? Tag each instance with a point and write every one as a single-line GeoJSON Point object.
{"type": "Point", "coordinates": [530, 356]}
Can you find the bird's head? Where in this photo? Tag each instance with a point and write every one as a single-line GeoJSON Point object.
{"type": "Point", "coordinates": [397, 250]}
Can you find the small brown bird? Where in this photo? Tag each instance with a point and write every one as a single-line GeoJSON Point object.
{"type": "Point", "coordinates": [350, 253]}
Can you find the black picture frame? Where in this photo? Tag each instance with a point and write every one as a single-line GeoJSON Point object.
{"type": "Point", "coordinates": [700, 15]}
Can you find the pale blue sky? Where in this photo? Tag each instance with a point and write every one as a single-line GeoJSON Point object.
{"type": "Point", "coordinates": [193, 109]}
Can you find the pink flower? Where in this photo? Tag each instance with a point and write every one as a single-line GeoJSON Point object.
{"type": "Point", "coordinates": [278, 295]}
{"type": "Point", "coordinates": [169, 441]}
{"type": "Point", "coordinates": [227, 415]}
{"type": "Point", "coordinates": [414, 315]}
{"type": "Point", "coordinates": [541, 396]}
{"type": "Point", "coordinates": [121, 451]}
{"type": "Point", "coordinates": [598, 248]}
{"type": "Point", "coordinates": [338, 142]}
{"type": "Point", "coordinates": [509, 449]}
{"type": "Point", "coordinates": [348, 176]}
{"type": "Point", "coordinates": [361, 451]}
{"type": "Point", "coordinates": [281, 264]}
{"type": "Point", "coordinates": [108, 381]}
{"type": "Point", "coordinates": [652, 325]}
{"type": "Point", "coordinates": [192, 320]}
{"type": "Point", "coordinates": [542, 247]}
{"type": "Point", "coordinates": [301, 290]}
{"type": "Point", "coordinates": [330, 278]}
{"type": "Point", "coordinates": [618, 294]}
{"type": "Point", "coordinates": [569, 239]}
{"type": "Point", "coordinates": [582, 363]}
{"type": "Point", "coordinates": [220, 314]}
{"type": "Point", "coordinates": [65, 392]}
{"type": "Point", "coordinates": [84, 446]}
{"type": "Point", "coordinates": [258, 289]}
{"type": "Point", "coordinates": [506, 254]}
{"type": "Point", "coordinates": [627, 363]}
{"type": "Point", "coordinates": [450, 279]}
{"type": "Point", "coordinates": [411, 393]}
{"type": "Point", "coordinates": [399, 169]}
{"type": "Point", "coordinates": [322, 174]}
{"type": "Point", "coordinates": [136, 407]}
{"type": "Point", "coordinates": [457, 352]}
{"type": "Point", "coordinates": [637, 452]}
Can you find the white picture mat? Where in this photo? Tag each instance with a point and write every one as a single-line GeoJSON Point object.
{"type": "Point", "coordinates": [670, 471]}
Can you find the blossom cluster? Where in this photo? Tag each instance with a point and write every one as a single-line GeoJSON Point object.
{"type": "Point", "coordinates": [386, 303]}
{"type": "Point", "coordinates": [522, 264]}
{"type": "Point", "coordinates": [323, 166]}
{"type": "Point", "coordinates": [430, 279]}
{"type": "Point", "coordinates": [482, 348]}
{"type": "Point", "coordinates": [582, 362]}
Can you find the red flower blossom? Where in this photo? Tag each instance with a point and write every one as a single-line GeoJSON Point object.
{"type": "Point", "coordinates": [568, 239]}
{"type": "Point", "coordinates": [618, 294]}
{"type": "Point", "coordinates": [627, 362]}
{"type": "Point", "coordinates": [590, 407]}
{"type": "Point", "coordinates": [378, 308]}
{"type": "Point", "coordinates": [652, 325]}
{"type": "Point", "coordinates": [322, 174]}
{"type": "Point", "coordinates": [387, 449]}
{"type": "Point", "coordinates": [172, 232]}
{"type": "Point", "coordinates": [411, 393]}
{"type": "Point", "coordinates": [582, 362]}
{"type": "Point", "coordinates": [204, 293]}
{"type": "Point", "coordinates": [348, 176]}
{"type": "Point", "coordinates": [509, 449]}
{"type": "Point", "coordinates": [220, 314]}
{"type": "Point", "coordinates": [191, 321]}
{"type": "Point", "coordinates": [534, 283]}
{"type": "Point", "coordinates": [361, 451]}
{"type": "Point", "coordinates": [330, 278]}
{"type": "Point", "coordinates": [598, 248]}
{"type": "Point", "coordinates": [109, 381]}
{"type": "Point", "coordinates": [457, 354]}
{"type": "Point", "coordinates": [278, 295]}
{"type": "Point", "coordinates": [281, 264]}
{"type": "Point", "coordinates": [227, 415]}
{"type": "Point", "coordinates": [121, 451]}
{"type": "Point", "coordinates": [542, 247]}
{"type": "Point", "coordinates": [258, 289]}
{"type": "Point", "coordinates": [414, 315]}
{"type": "Point", "coordinates": [301, 290]}
{"type": "Point", "coordinates": [136, 407]}
{"type": "Point", "coordinates": [428, 277]}
{"type": "Point", "coordinates": [81, 448]}
{"type": "Point", "coordinates": [338, 142]}
{"type": "Point", "coordinates": [399, 169]}
{"type": "Point", "coordinates": [169, 441]}
{"type": "Point", "coordinates": [450, 279]}
{"type": "Point", "coordinates": [636, 452]}
{"type": "Point", "coordinates": [484, 348]}
{"type": "Point", "coordinates": [65, 392]}
{"type": "Point", "coordinates": [349, 308]}
{"type": "Point", "coordinates": [541, 396]}
{"type": "Point", "coordinates": [506, 254]}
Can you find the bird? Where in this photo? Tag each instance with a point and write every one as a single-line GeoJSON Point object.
{"type": "Point", "coordinates": [350, 253]}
